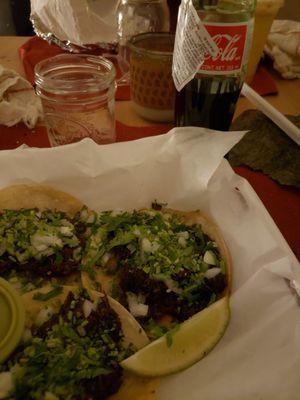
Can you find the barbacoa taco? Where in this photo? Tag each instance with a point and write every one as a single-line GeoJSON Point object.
{"type": "Point", "coordinates": [163, 265]}
{"type": "Point", "coordinates": [40, 238]}
{"type": "Point", "coordinates": [72, 346]}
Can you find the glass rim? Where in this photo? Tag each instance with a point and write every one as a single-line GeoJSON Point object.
{"type": "Point", "coordinates": [144, 1]}
{"type": "Point", "coordinates": [103, 77]}
{"type": "Point", "coordinates": [133, 44]}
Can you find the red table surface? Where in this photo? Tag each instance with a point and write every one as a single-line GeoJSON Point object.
{"type": "Point", "coordinates": [282, 202]}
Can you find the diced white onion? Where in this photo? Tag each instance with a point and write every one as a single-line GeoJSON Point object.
{"type": "Point", "coordinates": [182, 241]}
{"type": "Point", "coordinates": [106, 257]}
{"type": "Point", "coordinates": [43, 316]}
{"type": "Point", "coordinates": [155, 247]}
{"type": "Point", "coordinates": [183, 234]}
{"type": "Point", "coordinates": [146, 245]}
{"type": "Point", "coordinates": [212, 272]}
{"type": "Point", "coordinates": [87, 308]}
{"type": "Point", "coordinates": [84, 214]}
{"type": "Point", "coordinates": [91, 218]}
{"type": "Point", "coordinates": [169, 282]}
{"type": "Point", "coordinates": [136, 305]}
{"type": "Point", "coordinates": [42, 242]}
{"type": "Point", "coordinates": [149, 247]}
{"type": "Point", "coordinates": [209, 258]}
{"type": "Point", "coordinates": [66, 230]}
{"type": "Point", "coordinates": [136, 231]}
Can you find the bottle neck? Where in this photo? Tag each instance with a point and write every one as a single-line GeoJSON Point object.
{"type": "Point", "coordinates": [226, 6]}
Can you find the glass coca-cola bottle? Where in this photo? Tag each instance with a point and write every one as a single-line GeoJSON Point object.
{"type": "Point", "coordinates": [209, 99]}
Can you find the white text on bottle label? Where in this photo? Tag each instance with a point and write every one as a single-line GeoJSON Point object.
{"type": "Point", "coordinates": [231, 40]}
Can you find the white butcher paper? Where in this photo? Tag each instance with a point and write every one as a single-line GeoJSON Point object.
{"type": "Point", "coordinates": [259, 356]}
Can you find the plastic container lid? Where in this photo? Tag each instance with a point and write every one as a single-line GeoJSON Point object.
{"type": "Point", "coordinates": [12, 319]}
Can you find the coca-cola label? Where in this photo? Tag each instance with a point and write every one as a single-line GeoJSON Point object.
{"type": "Point", "coordinates": [231, 41]}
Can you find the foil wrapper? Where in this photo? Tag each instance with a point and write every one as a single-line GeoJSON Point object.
{"type": "Point", "coordinates": [76, 25]}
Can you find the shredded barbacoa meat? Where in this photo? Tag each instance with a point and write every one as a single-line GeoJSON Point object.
{"type": "Point", "coordinates": [47, 267]}
{"type": "Point", "coordinates": [163, 302]}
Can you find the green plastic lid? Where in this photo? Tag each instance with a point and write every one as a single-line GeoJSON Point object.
{"type": "Point", "coordinates": [12, 319]}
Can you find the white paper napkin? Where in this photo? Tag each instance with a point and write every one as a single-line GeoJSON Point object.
{"type": "Point", "coordinates": [283, 46]}
{"type": "Point", "coordinates": [18, 101]}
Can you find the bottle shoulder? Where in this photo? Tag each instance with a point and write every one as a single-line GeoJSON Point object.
{"type": "Point", "coordinates": [225, 11]}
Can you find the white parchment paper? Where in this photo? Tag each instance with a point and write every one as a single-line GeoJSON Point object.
{"type": "Point", "coordinates": [259, 356]}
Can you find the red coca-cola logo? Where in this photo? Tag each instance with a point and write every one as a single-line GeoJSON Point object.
{"type": "Point", "coordinates": [231, 40]}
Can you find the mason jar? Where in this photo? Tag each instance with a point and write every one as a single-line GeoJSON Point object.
{"type": "Point", "coordinates": [78, 98]}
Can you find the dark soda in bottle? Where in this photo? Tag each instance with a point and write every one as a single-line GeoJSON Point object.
{"type": "Point", "coordinates": [209, 99]}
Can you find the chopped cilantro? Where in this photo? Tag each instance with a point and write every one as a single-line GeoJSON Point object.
{"type": "Point", "coordinates": [155, 330]}
{"type": "Point", "coordinates": [149, 240]}
{"type": "Point", "coordinates": [56, 291]}
{"type": "Point", "coordinates": [32, 234]}
{"type": "Point", "coordinates": [61, 361]}
{"type": "Point", "coordinates": [170, 334]}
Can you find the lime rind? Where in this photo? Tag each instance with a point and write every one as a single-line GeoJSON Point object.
{"type": "Point", "coordinates": [195, 338]}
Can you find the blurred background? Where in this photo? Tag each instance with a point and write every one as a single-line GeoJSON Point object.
{"type": "Point", "coordinates": [14, 15]}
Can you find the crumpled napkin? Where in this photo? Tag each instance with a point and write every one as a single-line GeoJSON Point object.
{"type": "Point", "coordinates": [283, 46]}
{"type": "Point", "coordinates": [18, 101]}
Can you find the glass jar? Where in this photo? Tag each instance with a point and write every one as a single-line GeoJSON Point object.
{"type": "Point", "coordinates": [139, 16]}
{"type": "Point", "coordinates": [152, 87]}
{"type": "Point", "coordinates": [78, 98]}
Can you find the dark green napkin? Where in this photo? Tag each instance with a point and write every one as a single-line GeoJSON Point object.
{"type": "Point", "coordinates": [266, 148]}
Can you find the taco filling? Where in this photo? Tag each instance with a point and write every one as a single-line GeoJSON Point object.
{"type": "Point", "coordinates": [71, 353]}
{"type": "Point", "coordinates": [37, 245]}
{"type": "Point", "coordinates": [160, 267]}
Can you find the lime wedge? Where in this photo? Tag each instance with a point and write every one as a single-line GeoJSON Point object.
{"type": "Point", "coordinates": [194, 339]}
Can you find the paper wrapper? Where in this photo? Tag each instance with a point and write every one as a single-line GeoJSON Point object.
{"type": "Point", "coordinates": [259, 357]}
